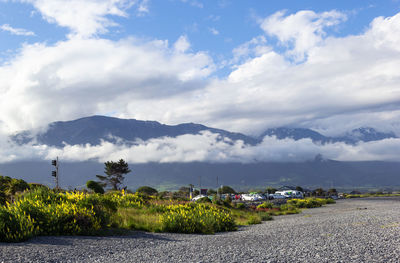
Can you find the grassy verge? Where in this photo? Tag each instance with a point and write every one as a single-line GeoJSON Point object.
{"type": "Point", "coordinates": [369, 195]}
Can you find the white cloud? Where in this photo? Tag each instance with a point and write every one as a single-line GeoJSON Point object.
{"type": "Point", "coordinates": [342, 77]}
{"type": "Point", "coordinates": [257, 46]}
{"type": "Point", "coordinates": [182, 44]}
{"type": "Point", "coordinates": [194, 3]}
{"type": "Point", "coordinates": [16, 31]}
{"type": "Point", "coordinates": [143, 7]}
{"type": "Point", "coordinates": [206, 147]}
{"type": "Point", "coordinates": [213, 31]}
{"type": "Point", "coordinates": [303, 30]}
{"type": "Point", "coordinates": [344, 83]}
{"type": "Point", "coordinates": [85, 18]}
{"type": "Point", "coordinates": [83, 77]}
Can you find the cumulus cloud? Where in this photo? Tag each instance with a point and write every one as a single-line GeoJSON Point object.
{"type": "Point", "coordinates": [80, 77]}
{"type": "Point", "coordinates": [85, 17]}
{"type": "Point", "coordinates": [342, 77]}
{"type": "Point", "coordinates": [301, 31]}
{"type": "Point", "coordinates": [257, 46]}
{"type": "Point", "coordinates": [182, 44]}
{"type": "Point", "coordinates": [334, 84]}
{"type": "Point", "coordinates": [16, 31]}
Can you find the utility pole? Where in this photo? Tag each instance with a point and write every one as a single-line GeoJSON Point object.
{"type": "Point", "coordinates": [55, 173]}
{"type": "Point", "coordinates": [191, 191]}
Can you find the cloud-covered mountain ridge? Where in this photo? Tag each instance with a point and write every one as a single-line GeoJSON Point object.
{"type": "Point", "coordinates": [95, 129]}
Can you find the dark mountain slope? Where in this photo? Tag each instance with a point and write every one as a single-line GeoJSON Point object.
{"type": "Point", "coordinates": [96, 128]}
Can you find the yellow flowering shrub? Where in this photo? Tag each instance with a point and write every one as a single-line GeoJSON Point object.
{"type": "Point", "coordinates": [310, 202]}
{"type": "Point", "coordinates": [196, 218]}
{"type": "Point", "coordinates": [125, 200]}
{"type": "Point", "coordinates": [15, 226]}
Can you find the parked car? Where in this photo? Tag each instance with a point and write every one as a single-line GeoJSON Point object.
{"type": "Point", "coordinates": [198, 197]}
{"type": "Point", "coordinates": [252, 197]}
{"type": "Point", "coordinates": [277, 196]}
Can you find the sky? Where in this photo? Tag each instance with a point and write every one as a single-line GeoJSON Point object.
{"type": "Point", "coordinates": [244, 66]}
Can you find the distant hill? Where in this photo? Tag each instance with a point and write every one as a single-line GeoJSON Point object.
{"type": "Point", "coordinates": [296, 134]}
{"type": "Point", "coordinates": [363, 134]}
{"type": "Point", "coordinates": [96, 128]}
{"type": "Point", "coordinates": [91, 130]}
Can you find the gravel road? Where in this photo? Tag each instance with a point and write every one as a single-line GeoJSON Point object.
{"type": "Point", "coordinates": [356, 230]}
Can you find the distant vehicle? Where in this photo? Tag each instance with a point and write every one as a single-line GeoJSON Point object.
{"type": "Point", "coordinates": [198, 197]}
{"type": "Point", "coordinates": [253, 197]}
{"type": "Point", "coordinates": [291, 193]}
{"type": "Point", "coordinates": [277, 196]}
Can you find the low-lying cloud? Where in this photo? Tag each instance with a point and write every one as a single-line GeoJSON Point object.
{"type": "Point", "coordinates": [206, 147]}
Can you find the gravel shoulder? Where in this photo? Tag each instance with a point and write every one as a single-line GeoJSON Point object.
{"type": "Point", "coordinates": [355, 230]}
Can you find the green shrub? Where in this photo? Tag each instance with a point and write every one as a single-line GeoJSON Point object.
{"type": "Point", "coordinates": [126, 200]}
{"type": "Point", "coordinates": [266, 205]}
{"type": "Point", "coordinates": [196, 218]}
{"type": "Point", "coordinates": [95, 187]}
{"type": "Point", "coordinates": [288, 209]}
{"type": "Point", "coordinates": [59, 214]}
{"type": "Point", "coordinates": [15, 226]}
{"type": "Point", "coordinates": [310, 202]}
{"type": "Point", "coordinates": [3, 198]}
{"type": "Point", "coordinates": [147, 190]}
{"type": "Point", "coordinates": [254, 219]}
{"type": "Point", "coordinates": [9, 186]}
{"type": "Point", "coordinates": [330, 201]}
{"type": "Point", "coordinates": [265, 216]}
{"type": "Point", "coordinates": [203, 200]}
{"type": "Point", "coordinates": [240, 206]}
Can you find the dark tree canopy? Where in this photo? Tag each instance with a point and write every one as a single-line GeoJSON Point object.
{"type": "Point", "coordinates": [147, 190]}
{"type": "Point", "coordinates": [227, 190]}
{"type": "Point", "coordinates": [211, 192]}
{"type": "Point", "coordinates": [319, 192]}
{"type": "Point", "coordinates": [115, 172]}
{"type": "Point", "coordinates": [95, 187]}
{"type": "Point", "coordinates": [271, 190]}
{"type": "Point", "coordinates": [332, 191]}
{"type": "Point", "coordinates": [9, 186]}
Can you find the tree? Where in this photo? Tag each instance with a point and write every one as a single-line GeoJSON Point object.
{"type": "Point", "coordinates": [319, 192]}
{"type": "Point", "coordinates": [211, 192]}
{"type": "Point", "coordinates": [271, 190]}
{"type": "Point", "coordinates": [147, 190]}
{"type": "Point", "coordinates": [299, 188]}
{"type": "Point", "coordinates": [115, 172]}
{"type": "Point", "coordinates": [95, 187]}
{"type": "Point", "coordinates": [332, 191]}
{"type": "Point", "coordinates": [227, 190]}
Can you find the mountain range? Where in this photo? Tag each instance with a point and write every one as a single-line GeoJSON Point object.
{"type": "Point", "coordinates": [92, 130]}
{"type": "Point", "coordinates": [317, 172]}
